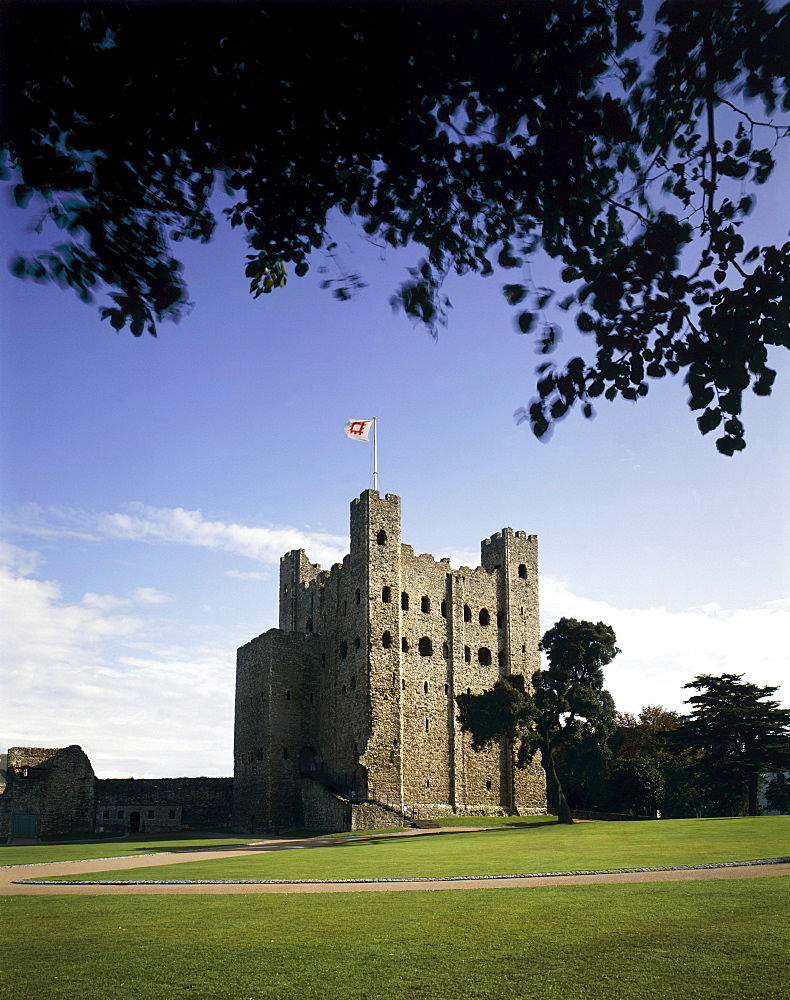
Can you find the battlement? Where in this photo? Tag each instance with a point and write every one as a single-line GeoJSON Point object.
{"type": "Point", "coordinates": [508, 533]}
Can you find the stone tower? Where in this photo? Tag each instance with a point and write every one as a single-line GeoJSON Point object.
{"type": "Point", "coordinates": [352, 699]}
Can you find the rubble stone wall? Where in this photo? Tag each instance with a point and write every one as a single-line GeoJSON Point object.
{"type": "Point", "coordinates": [358, 684]}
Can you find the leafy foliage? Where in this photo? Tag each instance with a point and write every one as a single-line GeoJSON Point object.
{"type": "Point", "coordinates": [648, 738]}
{"type": "Point", "coordinates": [636, 786]}
{"type": "Point", "coordinates": [567, 703]}
{"type": "Point", "coordinates": [633, 165]}
{"type": "Point", "coordinates": [777, 792]}
{"type": "Point", "coordinates": [738, 733]}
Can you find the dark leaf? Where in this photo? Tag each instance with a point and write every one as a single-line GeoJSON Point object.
{"type": "Point", "coordinates": [526, 320]}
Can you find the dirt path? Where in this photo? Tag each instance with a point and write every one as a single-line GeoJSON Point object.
{"type": "Point", "coordinates": [8, 875]}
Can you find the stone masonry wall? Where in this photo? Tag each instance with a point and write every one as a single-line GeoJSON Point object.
{"type": "Point", "coordinates": [359, 683]}
{"type": "Point", "coordinates": [54, 785]}
{"type": "Point", "coordinates": [164, 804]}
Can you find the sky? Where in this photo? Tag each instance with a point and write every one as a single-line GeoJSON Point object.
{"type": "Point", "coordinates": [149, 487]}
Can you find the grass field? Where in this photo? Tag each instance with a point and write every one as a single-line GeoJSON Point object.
{"type": "Point", "coordinates": [696, 941]}
{"type": "Point", "coordinates": [533, 847]}
{"type": "Point", "coordinates": [32, 854]}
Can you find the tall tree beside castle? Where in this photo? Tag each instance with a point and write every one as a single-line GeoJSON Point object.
{"type": "Point", "coordinates": [567, 702]}
{"type": "Point", "coordinates": [625, 145]}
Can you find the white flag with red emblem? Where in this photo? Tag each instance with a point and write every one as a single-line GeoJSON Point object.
{"type": "Point", "coordinates": [359, 430]}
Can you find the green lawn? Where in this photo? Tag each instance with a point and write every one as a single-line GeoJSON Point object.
{"type": "Point", "coordinates": [696, 941]}
{"type": "Point", "coordinates": [33, 854]}
{"type": "Point", "coordinates": [535, 847]}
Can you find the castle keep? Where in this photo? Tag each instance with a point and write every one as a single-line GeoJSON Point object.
{"type": "Point", "coordinates": [346, 714]}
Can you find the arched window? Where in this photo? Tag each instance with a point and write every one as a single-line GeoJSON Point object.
{"type": "Point", "coordinates": [467, 654]}
{"type": "Point", "coordinates": [287, 695]}
{"type": "Point", "coordinates": [444, 609]}
{"type": "Point", "coordinates": [425, 687]}
{"type": "Point", "coordinates": [386, 595]}
{"type": "Point", "coordinates": [467, 613]}
{"type": "Point", "coordinates": [343, 650]}
{"type": "Point", "coordinates": [357, 642]}
{"type": "Point", "coordinates": [386, 640]}
{"type": "Point", "coordinates": [522, 571]}
{"type": "Point", "coordinates": [446, 688]}
{"type": "Point", "coordinates": [381, 537]}
{"type": "Point", "coordinates": [425, 605]}
{"type": "Point", "coordinates": [309, 625]}
{"type": "Point", "coordinates": [359, 596]}
{"type": "Point", "coordinates": [484, 616]}
{"type": "Point", "coordinates": [425, 646]}
{"type": "Point", "coordinates": [484, 657]}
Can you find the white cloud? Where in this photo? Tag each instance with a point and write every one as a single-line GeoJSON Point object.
{"type": "Point", "coordinates": [174, 525]}
{"type": "Point", "coordinates": [238, 574]}
{"type": "Point", "coordinates": [154, 697]}
{"type": "Point", "coordinates": [88, 672]}
{"type": "Point", "coordinates": [461, 557]}
{"type": "Point", "coordinates": [663, 650]}
{"type": "Point", "coordinates": [149, 595]}
{"type": "Point", "coordinates": [189, 527]}
{"type": "Point", "coordinates": [18, 560]}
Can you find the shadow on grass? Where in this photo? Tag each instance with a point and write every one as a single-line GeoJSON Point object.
{"type": "Point", "coordinates": [377, 839]}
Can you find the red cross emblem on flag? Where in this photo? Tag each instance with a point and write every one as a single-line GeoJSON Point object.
{"type": "Point", "coordinates": [359, 430]}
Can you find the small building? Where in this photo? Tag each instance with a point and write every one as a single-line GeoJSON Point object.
{"type": "Point", "coordinates": [55, 793]}
{"type": "Point", "coordinates": [47, 792]}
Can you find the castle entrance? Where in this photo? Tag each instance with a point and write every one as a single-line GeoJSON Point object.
{"type": "Point", "coordinates": [361, 782]}
{"type": "Point", "coordinates": [24, 825]}
{"type": "Point", "coordinates": [134, 822]}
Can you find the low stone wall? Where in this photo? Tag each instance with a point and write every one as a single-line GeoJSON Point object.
{"type": "Point", "coordinates": [371, 816]}
{"type": "Point", "coordinates": [322, 809]}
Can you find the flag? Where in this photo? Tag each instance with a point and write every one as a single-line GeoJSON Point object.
{"type": "Point", "coordinates": [358, 430]}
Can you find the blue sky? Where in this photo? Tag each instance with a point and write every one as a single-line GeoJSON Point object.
{"type": "Point", "coordinates": [150, 486]}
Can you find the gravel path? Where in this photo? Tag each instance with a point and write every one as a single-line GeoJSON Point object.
{"type": "Point", "coordinates": [9, 876]}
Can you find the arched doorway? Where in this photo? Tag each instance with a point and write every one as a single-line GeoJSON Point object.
{"type": "Point", "coordinates": [134, 822]}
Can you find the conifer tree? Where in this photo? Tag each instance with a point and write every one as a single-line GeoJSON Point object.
{"type": "Point", "coordinates": [738, 733]}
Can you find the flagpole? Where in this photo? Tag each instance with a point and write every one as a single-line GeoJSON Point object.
{"type": "Point", "coordinates": [375, 458]}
